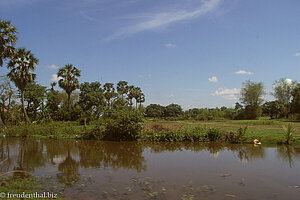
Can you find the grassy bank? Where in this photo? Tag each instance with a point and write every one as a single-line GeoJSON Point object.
{"type": "Point", "coordinates": [28, 186]}
{"type": "Point", "coordinates": [234, 131]}
{"type": "Point", "coordinates": [267, 131]}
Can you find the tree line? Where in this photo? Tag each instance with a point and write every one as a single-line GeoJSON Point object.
{"type": "Point", "coordinates": [95, 100]}
{"type": "Point", "coordinates": [251, 105]}
{"type": "Point", "coordinates": [40, 103]}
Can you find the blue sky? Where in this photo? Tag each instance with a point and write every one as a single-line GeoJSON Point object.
{"type": "Point", "coordinates": [196, 53]}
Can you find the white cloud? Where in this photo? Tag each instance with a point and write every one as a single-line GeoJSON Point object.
{"type": "Point", "coordinates": [170, 45]}
{"type": "Point", "coordinates": [230, 94]}
{"type": "Point", "coordinates": [213, 79]}
{"type": "Point", "coordinates": [54, 78]}
{"type": "Point", "coordinates": [289, 81]}
{"type": "Point", "coordinates": [243, 72]}
{"type": "Point", "coordinates": [297, 53]}
{"type": "Point", "coordinates": [53, 67]}
{"type": "Point", "coordinates": [154, 21]}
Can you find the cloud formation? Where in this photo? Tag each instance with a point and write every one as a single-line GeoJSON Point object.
{"type": "Point", "coordinates": [154, 21]}
{"type": "Point", "coordinates": [53, 67]}
{"type": "Point", "coordinates": [297, 53]}
{"type": "Point", "coordinates": [213, 79]}
{"type": "Point", "coordinates": [243, 72]}
{"type": "Point", "coordinates": [54, 78]}
{"type": "Point", "coordinates": [230, 94]}
{"type": "Point", "coordinates": [170, 45]}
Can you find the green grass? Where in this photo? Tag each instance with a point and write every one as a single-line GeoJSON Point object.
{"type": "Point", "coordinates": [28, 185]}
{"type": "Point", "coordinates": [267, 131]}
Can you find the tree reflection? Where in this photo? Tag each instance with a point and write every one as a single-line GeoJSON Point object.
{"type": "Point", "coordinates": [30, 155]}
{"type": "Point", "coordinates": [69, 170]}
{"type": "Point", "coordinates": [288, 153]}
{"type": "Point", "coordinates": [247, 153]}
{"type": "Point", "coordinates": [126, 155]}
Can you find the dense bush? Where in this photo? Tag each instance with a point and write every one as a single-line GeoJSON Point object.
{"type": "Point", "coordinates": [213, 134]}
{"type": "Point", "coordinates": [236, 137]}
{"type": "Point", "coordinates": [124, 124]}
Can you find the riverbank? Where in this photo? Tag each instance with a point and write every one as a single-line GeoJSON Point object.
{"type": "Point", "coordinates": [233, 131]}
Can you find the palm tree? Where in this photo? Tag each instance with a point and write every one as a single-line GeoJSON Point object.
{"type": "Point", "coordinates": [109, 93]}
{"type": "Point", "coordinates": [122, 88]}
{"type": "Point", "coordinates": [131, 94]}
{"type": "Point", "coordinates": [141, 99]}
{"type": "Point", "coordinates": [139, 96]}
{"type": "Point", "coordinates": [7, 40]}
{"type": "Point", "coordinates": [21, 65]}
{"type": "Point", "coordinates": [69, 81]}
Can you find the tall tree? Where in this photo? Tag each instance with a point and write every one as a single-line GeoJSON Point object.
{"type": "Point", "coordinates": [7, 95]}
{"type": "Point", "coordinates": [252, 93]}
{"type": "Point", "coordinates": [53, 101]}
{"type": "Point", "coordinates": [91, 100]}
{"type": "Point", "coordinates": [7, 40]}
{"type": "Point", "coordinates": [69, 81]}
{"type": "Point", "coordinates": [35, 95]}
{"type": "Point", "coordinates": [296, 100]}
{"type": "Point", "coordinates": [252, 97]}
{"type": "Point", "coordinates": [122, 88]}
{"type": "Point", "coordinates": [283, 90]}
{"type": "Point", "coordinates": [22, 64]}
{"type": "Point", "coordinates": [140, 97]}
{"type": "Point", "coordinates": [109, 93]}
{"type": "Point", "coordinates": [131, 94]}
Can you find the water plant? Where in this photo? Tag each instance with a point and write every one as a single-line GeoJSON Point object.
{"type": "Point", "coordinates": [288, 133]}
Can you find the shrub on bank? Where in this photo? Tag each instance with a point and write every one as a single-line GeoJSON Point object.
{"type": "Point", "coordinates": [195, 134]}
{"type": "Point", "coordinates": [123, 125]}
{"type": "Point", "coordinates": [236, 137]}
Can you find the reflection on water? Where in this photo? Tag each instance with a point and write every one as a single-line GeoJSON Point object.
{"type": "Point", "coordinates": [114, 164]}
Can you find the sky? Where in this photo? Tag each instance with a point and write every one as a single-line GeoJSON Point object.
{"type": "Point", "coordinates": [196, 53]}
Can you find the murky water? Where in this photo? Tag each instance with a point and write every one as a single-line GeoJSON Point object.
{"type": "Point", "coordinates": [132, 170]}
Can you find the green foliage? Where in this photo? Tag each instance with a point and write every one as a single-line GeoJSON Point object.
{"type": "Point", "coordinates": [8, 40]}
{"type": "Point", "coordinates": [124, 124]}
{"type": "Point", "coordinates": [52, 103]}
{"type": "Point", "coordinates": [252, 112]}
{"type": "Point", "coordinates": [69, 81]}
{"type": "Point", "coordinates": [21, 65]}
{"type": "Point", "coordinates": [173, 110]}
{"type": "Point", "coordinates": [274, 109]}
{"type": "Point", "coordinates": [213, 134]}
{"type": "Point", "coordinates": [18, 185]}
{"type": "Point", "coordinates": [109, 94]}
{"type": "Point", "coordinates": [296, 100]}
{"type": "Point", "coordinates": [122, 88]}
{"type": "Point", "coordinates": [283, 92]}
{"type": "Point", "coordinates": [91, 99]}
{"type": "Point", "coordinates": [97, 132]}
{"type": "Point", "coordinates": [236, 137]}
{"type": "Point", "coordinates": [155, 110]}
{"type": "Point", "coordinates": [288, 132]}
{"type": "Point", "coordinates": [64, 114]}
{"type": "Point", "coordinates": [252, 93]}
{"type": "Point", "coordinates": [34, 95]}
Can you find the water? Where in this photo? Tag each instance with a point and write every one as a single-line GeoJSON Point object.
{"type": "Point", "coordinates": [131, 170]}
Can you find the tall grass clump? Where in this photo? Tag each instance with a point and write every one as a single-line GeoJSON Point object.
{"type": "Point", "coordinates": [213, 134]}
{"type": "Point", "coordinates": [236, 137]}
{"type": "Point", "coordinates": [288, 133]}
